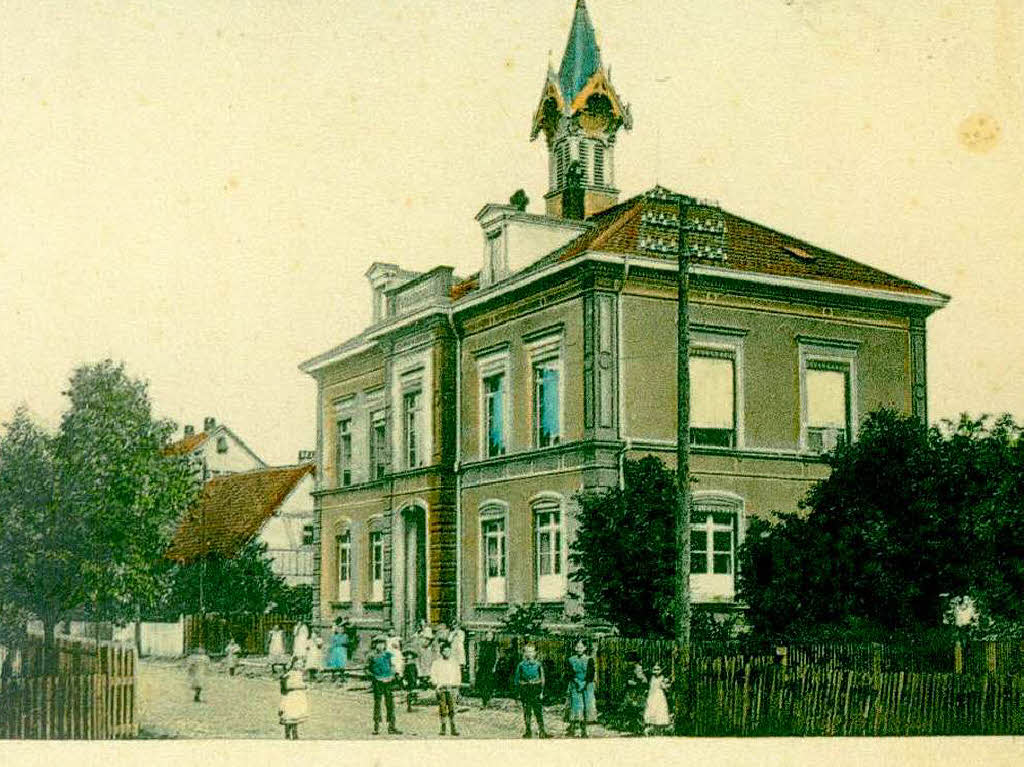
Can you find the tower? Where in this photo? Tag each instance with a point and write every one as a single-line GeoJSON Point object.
{"type": "Point", "coordinates": [580, 114]}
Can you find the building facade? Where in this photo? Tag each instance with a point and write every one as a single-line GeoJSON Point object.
{"type": "Point", "coordinates": [456, 431]}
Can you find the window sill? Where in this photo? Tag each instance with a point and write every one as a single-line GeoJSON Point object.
{"type": "Point", "coordinates": [491, 606]}
{"type": "Point", "coordinates": [342, 605]}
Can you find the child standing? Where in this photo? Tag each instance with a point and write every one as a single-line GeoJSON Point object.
{"type": "Point", "coordinates": [581, 673]}
{"type": "Point", "coordinates": [196, 665]}
{"type": "Point", "coordinates": [382, 679]}
{"type": "Point", "coordinates": [337, 654]}
{"type": "Point", "coordinates": [636, 696]}
{"type": "Point", "coordinates": [231, 656]}
{"type": "Point", "coordinates": [411, 677]}
{"type": "Point", "coordinates": [656, 715]}
{"type": "Point", "coordinates": [528, 681]}
{"type": "Point", "coordinates": [446, 676]}
{"type": "Point", "coordinates": [294, 706]}
{"type": "Point", "coordinates": [314, 656]}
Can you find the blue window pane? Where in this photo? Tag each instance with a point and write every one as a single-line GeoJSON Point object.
{"type": "Point", "coordinates": [547, 406]}
{"type": "Point", "coordinates": [495, 415]}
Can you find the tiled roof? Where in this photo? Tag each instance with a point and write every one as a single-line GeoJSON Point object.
{"type": "Point", "coordinates": [187, 444]}
{"type": "Point", "coordinates": [232, 509]}
{"type": "Point", "coordinates": [748, 247]}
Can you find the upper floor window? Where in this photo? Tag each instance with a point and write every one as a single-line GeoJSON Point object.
{"type": "Point", "coordinates": [549, 544]}
{"type": "Point", "coordinates": [827, 389]}
{"type": "Point", "coordinates": [378, 445]}
{"type": "Point", "coordinates": [377, 566]}
{"type": "Point", "coordinates": [494, 414]}
{"type": "Point", "coordinates": [585, 161]}
{"type": "Point", "coordinates": [712, 398]}
{"type": "Point", "coordinates": [411, 409]}
{"type": "Point", "coordinates": [344, 461]}
{"type": "Point", "coordinates": [599, 164]}
{"type": "Point", "coordinates": [345, 567]}
{"type": "Point", "coordinates": [546, 397]}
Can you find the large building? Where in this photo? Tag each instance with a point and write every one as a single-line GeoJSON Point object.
{"type": "Point", "coordinates": [455, 431]}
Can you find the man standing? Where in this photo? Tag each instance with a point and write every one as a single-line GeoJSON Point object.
{"type": "Point", "coordinates": [382, 679]}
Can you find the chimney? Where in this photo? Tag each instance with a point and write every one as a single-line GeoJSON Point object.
{"type": "Point", "coordinates": [572, 195]}
{"type": "Point", "coordinates": [305, 456]}
{"type": "Point", "coordinates": [209, 423]}
{"type": "Point", "coordinates": [519, 200]}
{"type": "Point", "coordinates": [189, 430]}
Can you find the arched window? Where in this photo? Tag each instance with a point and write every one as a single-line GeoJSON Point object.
{"type": "Point", "coordinates": [549, 548]}
{"type": "Point", "coordinates": [494, 552]}
{"type": "Point", "coordinates": [345, 566]}
{"type": "Point", "coordinates": [714, 538]}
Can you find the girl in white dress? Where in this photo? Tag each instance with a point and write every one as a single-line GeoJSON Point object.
{"type": "Point", "coordinates": [314, 656]}
{"type": "Point", "coordinates": [656, 715]}
{"type": "Point", "coordinates": [294, 706]}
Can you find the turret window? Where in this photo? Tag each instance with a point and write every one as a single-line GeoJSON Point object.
{"type": "Point", "coordinates": [598, 165]}
{"type": "Point", "coordinates": [585, 161]}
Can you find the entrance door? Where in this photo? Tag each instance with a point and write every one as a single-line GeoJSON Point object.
{"type": "Point", "coordinates": [415, 587]}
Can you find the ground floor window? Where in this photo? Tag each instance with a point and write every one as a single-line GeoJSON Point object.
{"type": "Point", "coordinates": [492, 530]}
{"type": "Point", "coordinates": [377, 566]}
{"type": "Point", "coordinates": [550, 551]}
{"type": "Point", "coordinates": [345, 567]}
{"type": "Point", "coordinates": [714, 538]}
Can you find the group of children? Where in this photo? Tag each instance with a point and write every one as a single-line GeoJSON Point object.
{"type": "Point", "coordinates": [390, 668]}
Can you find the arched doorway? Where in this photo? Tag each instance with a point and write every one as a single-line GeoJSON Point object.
{"type": "Point", "coordinates": [414, 582]}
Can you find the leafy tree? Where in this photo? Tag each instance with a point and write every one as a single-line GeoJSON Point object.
{"type": "Point", "coordinates": [244, 584]}
{"type": "Point", "coordinates": [525, 620]}
{"type": "Point", "coordinates": [908, 517]}
{"type": "Point", "coordinates": [624, 551]}
{"type": "Point", "coordinates": [86, 515]}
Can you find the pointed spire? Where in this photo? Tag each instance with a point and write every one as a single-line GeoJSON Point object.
{"type": "Point", "coordinates": [582, 56]}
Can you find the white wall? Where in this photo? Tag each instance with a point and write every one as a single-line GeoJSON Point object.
{"type": "Point", "coordinates": [283, 531]}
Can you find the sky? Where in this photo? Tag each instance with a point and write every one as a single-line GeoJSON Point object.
{"type": "Point", "coordinates": [198, 188]}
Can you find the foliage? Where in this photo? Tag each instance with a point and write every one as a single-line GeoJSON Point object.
{"type": "Point", "coordinates": [241, 585]}
{"type": "Point", "coordinates": [908, 518]}
{"type": "Point", "coordinates": [86, 514]}
{"type": "Point", "coordinates": [525, 620]}
{"type": "Point", "coordinates": [624, 551]}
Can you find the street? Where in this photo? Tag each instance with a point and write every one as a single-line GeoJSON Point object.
{"type": "Point", "coordinates": [245, 706]}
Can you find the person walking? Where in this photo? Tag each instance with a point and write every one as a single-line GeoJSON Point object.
{"type": "Point", "coordinates": [196, 666]}
{"type": "Point", "coordinates": [382, 680]}
{"type": "Point", "coordinates": [528, 681]}
{"type": "Point", "coordinates": [656, 715]}
{"type": "Point", "coordinates": [579, 670]}
{"type": "Point", "coordinates": [486, 667]}
{"type": "Point", "coordinates": [231, 656]}
{"type": "Point", "coordinates": [294, 706]}
{"type": "Point", "coordinates": [446, 677]}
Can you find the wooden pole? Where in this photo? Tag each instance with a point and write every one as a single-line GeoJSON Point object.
{"type": "Point", "coordinates": [682, 516]}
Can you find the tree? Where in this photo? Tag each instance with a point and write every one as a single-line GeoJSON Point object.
{"type": "Point", "coordinates": [244, 584]}
{"type": "Point", "coordinates": [908, 517]}
{"type": "Point", "coordinates": [624, 551]}
{"type": "Point", "coordinates": [86, 515]}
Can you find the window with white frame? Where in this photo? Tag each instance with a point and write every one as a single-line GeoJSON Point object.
{"type": "Point", "coordinates": [546, 366]}
{"type": "Point", "coordinates": [493, 535]}
{"type": "Point", "coordinates": [712, 397]}
{"type": "Point", "coordinates": [714, 538]}
{"type": "Point", "coordinates": [549, 543]}
{"type": "Point", "coordinates": [344, 460]}
{"type": "Point", "coordinates": [827, 389]}
{"type": "Point", "coordinates": [378, 445]}
{"type": "Point", "coordinates": [377, 566]}
{"type": "Point", "coordinates": [493, 370]}
{"type": "Point", "coordinates": [345, 567]}
{"type": "Point", "coordinates": [411, 416]}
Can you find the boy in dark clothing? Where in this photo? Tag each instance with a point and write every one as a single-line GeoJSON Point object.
{"type": "Point", "coordinates": [528, 681]}
{"type": "Point", "coordinates": [486, 667]}
{"type": "Point", "coordinates": [411, 677]}
{"type": "Point", "coordinates": [382, 679]}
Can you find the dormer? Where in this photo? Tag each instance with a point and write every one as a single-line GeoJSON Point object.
{"type": "Point", "coordinates": [514, 239]}
{"type": "Point", "coordinates": [383, 277]}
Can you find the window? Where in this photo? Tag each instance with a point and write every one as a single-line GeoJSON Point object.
{"type": "Point", "coordinates": [494, 414]}
{"type": "Point", "coordinates": [562, 163]}
{"type": "Point", "coordinates": [411, 428]}
{"type": "Point", "coordinates": [222, 444]}
{"type": "Point", "coordinates": [377, 567]}
{"type": "Point", "coordinates": [378, 445]}
{"type": "Point", "coordinates": [828, 405]}
{"type": "Point", "coordinates": [827, 393]}
{"type": "Point", "coordinates": [345, 452]}
{"type": "Point", "coordinates": [546, 402]}
{"type": "Point", "coordinates": [598, 164]}
{"type": "Point", "coordinates": [712, 398]}
{"type": "Point", "coordinates": [714, 534]}
{"type": "Point", "coordinates": [492, 533]}
{"type": "Point", "coordinates": [551, 580]}
{"type": "Point", "coordinates": [307, 535]}
{"type": "Point", "coordinates": [345, 567]}
{"type": "Point", "coordinates": [584, 161]}
{"type": "Point", "coordinates": [495, 262]}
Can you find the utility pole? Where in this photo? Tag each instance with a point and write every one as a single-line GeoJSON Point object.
{"type": "Point", "coordinates": [682, 515]}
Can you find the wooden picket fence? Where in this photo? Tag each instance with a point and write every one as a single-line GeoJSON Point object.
{"type": "Point", "coordinates": [92, 695]}
{"type": "Point", "coordinates": [736, 689]}
{"type": "Point", "coordinates": [250, 631]}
